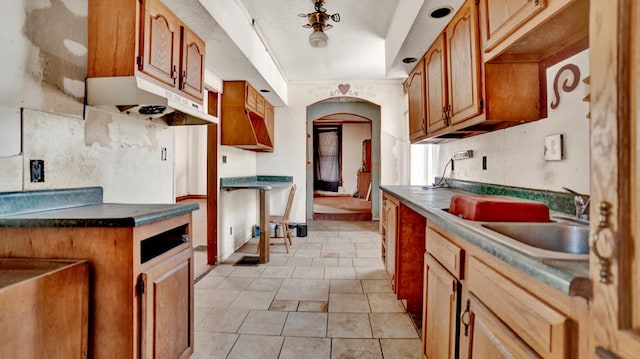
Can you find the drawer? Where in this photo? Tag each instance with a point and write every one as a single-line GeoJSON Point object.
{"type": "Point", "coordinates": [540, 326]}
{"type": "Point", "coordinates": [446, 252]}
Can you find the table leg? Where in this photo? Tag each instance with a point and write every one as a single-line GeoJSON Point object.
{"type": "Point", "coordinates": [263, 246]}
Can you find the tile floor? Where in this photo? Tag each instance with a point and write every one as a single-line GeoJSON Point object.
{"type": "Point", "coordinates": [329, 297]}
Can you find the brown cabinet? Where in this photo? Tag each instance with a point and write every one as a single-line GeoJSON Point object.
{"type": "Point", "coordinates": [415, 92]}
{"type": "Point", "coordinates": [141, 302]}
{"type": "Point", "coordinates": [389, 232]}
{"type": "Point", "coordinates": [364, 182]}
{"type": "Point", "coordinates": [615, 119]}
{"type": "Point", "coordinates": [435, 69]}
{"type": "Point", "coordinates": [247, 118]}
{"type": "Point", "coordinates": [165, 51]}
{"type": "Point", "coordinates": [440, 311]}
{"type": "Point", "coordinates": [500, 18]}
{"type": "Point", "coordinates": [44, 311]}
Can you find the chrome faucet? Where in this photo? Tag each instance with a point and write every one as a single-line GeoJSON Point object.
{"type": "Point", "coordinates": [582, 203]}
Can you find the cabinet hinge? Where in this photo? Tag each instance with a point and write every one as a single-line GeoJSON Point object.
{"type": "Point", "coordinates": [478, 2]}
{"type": "Point", "coordinates": [140, 286]}
{"type": "Point", "coordinates": [139, 60]}
{"type": "Point", "coordinates": [481, 103]}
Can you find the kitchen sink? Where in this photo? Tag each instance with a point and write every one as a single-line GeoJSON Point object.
{"type": "Point", "coordinates": [568, 240]}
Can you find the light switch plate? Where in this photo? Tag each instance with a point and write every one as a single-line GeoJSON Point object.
{"type": "Point", "coordinates": [554, 147]}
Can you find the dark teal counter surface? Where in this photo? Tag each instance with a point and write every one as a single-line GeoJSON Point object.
{"type": "Point", "coordinates": [255, 182]}
{"type": "Point", "coordinates": [563, 275]}
{"type": "Point", "coordinates": [80, 207]}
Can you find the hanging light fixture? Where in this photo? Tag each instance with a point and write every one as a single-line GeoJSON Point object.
{"type": "Point", "coordinates": [318, 22]}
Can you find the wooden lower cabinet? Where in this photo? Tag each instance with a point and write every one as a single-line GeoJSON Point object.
{"type": "Point", "coordinates": [141, 282]}
{"type": "Point", "coordinates": [440, 312]}
{"type": "Point", "coordinates": [476, 306]}
{"type": "Point", "coordinates": [485, 336]}
{"type": "Point", "coordinates": [167, 312]}
{"type": "Point", "coordinates": [389, 229]}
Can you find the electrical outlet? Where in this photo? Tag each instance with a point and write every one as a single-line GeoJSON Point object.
{"type": "Point", "coordinates": [36, 170]}
{"type": "Point", "coordinates": [554, 147]}
{"type": "Point", "coordinates": [462, 155]}
{"type": "Point", "coordinates": [224, 158]}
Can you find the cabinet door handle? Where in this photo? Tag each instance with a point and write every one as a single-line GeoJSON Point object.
{"type": "Point", "coordinates": [174, 75]}
{"type": "Point", "coordinates": [184, 80]}
{"type": "Point", "coordinates": [465, 318]}
{"type": "Point", "coordinates": [603, 223]}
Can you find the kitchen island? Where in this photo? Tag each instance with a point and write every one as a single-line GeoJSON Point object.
{"type": "Point", "coordinates": [140, 258]}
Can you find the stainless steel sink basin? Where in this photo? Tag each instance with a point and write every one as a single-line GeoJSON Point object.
{"type": "Point", "coordinates": [566, 239]}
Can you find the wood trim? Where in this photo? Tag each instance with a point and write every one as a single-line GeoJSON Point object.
{"type": "Point", "coordinates": [212, 193]}
{"type": "Point", "coordinates": [191, 196]}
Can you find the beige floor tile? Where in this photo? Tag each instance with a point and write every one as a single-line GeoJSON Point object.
{"type": "Point", "coordinates": [326, 262]}
{"type": "Point", "coordinates": [348, 303]}
{"type": "Point", "coordinates": [277, 272]}
{"type": "Point", "coordinates": [199, 313]}
{"type": "Point", "coordinates": [310, 245]}
{"type": "Point", "coordinates": [308, 272]}
{"type": "Point", "coordinates": [302, 294]}
{"type": "Point", "coordinates": [368, 253]}
{"type": "Point", "coordinates": [401, 348]}
{"type": "Point", "coordinates": [299, 261]}
{"type": "Point", "coordinates": [371, 273]}
{"type": "Point", "coordinates": [345, 262]}
{"type": "Point", "coordinates": [234, 283]}
{"type": "Point", "coordinates": [213, 298]}
{"type": "Point", "coordinates": [284, 305]}
{"type": "Point", "coordinates": [305, 324]}
{"type": "Point", "coordinates": [339, 273]}
{"type": "Point", "coordinates": [345, 286]}
{"type": "Point", "coordinates": [305, 283]}
{"type": "Point", "coordinates": [221, 270]}
{"type": "Point", "coordinates": [208, 282]}
{"type": "Point", "coordinates": [222, 320]}
{"type": "Point", "coordinates": [212, 345]}
{"type": "Point", "coordinates": [307, 348]}
{"type": "Point", "coordinates": [242, 271]}
{"type": "Point", "coordinates": [385, 303]}
{"type": "Point", "coordinates": [263, 323]}
{"type": "Point", "coordinates": [376, 286]}
{"type": "Point", "coordinates": [265, 285]}
{"type": "Point", "coordinates": [308, 253]}
{"type": "Point", "coordinates": [367, 262]}
{"type": "Point", "coordinates": [392, 325]}
{"type": "Point", "coordinates": [349, 325]}
{"type": "Point", "coordinates": [277, 261]}
{"type": "Point", "coordinates": [253, 300]}
{"type": "Point", "coordinates": [329, 254]}
{"type": "Point", "coordinates": [256, 346]}
{"type": "Point", "coordinates": [355, 348]}
{"type": "Point", "coordinates": [313, 306]}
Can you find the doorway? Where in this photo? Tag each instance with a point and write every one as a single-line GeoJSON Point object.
{"type": "Point", "coordinates": [355, 196]}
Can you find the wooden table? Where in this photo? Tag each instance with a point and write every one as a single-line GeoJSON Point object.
{"type": "Point", "coordinates": [263, 184]}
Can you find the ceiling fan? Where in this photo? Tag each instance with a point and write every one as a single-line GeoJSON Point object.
{"type": "Point", "coordinates": [317, 21]}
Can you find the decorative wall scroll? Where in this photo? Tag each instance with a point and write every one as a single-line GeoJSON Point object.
{"type": "Point", "coordinates": [343, 90]}
{"type": "Point", "coordinates": [568, 85]}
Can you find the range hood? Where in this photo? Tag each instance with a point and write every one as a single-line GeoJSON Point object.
{"type": "Point", "coordinates": [137, 97]}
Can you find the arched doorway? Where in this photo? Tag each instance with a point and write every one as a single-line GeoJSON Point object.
{"type": "Point", "coordinates": [346, 111]}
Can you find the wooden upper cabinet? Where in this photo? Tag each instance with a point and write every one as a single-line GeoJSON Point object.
{"type": "Point", "coordinates": [499, 18]}
{"type": "Point", "coordinates": [145, 39]}
{"type": "Point", "coordinates": [161, 43]}
{"type": "Point", "coordinates": [242, 126]}
{"type": "Point", "coordinates": [615, 172]}
{"type": "Point", "coordinates": [192, 64]}
{"type": "Point", "coordinates": [435, 72]}
{"type": "Point", "coordinates": [415, 91]}
{"type": "Point", "coordinates": [463, 65]}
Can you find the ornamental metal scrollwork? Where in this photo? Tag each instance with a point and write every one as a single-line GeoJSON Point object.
{"type": "Point", "coordinates": [568, 85]}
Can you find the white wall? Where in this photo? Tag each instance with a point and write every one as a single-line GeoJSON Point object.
{"type": "Point", "coordinates": [352, 136]}
{"type": "Point", "coordinates": [190, 160]}
{"type": "Point", "coordinates": [515, 155]}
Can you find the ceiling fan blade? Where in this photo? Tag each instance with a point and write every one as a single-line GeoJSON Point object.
{"type": "Point", "coordinates": [303, 15]}
{"type": "Point", "coordinates": [335, 17]}
{"type": "Point", "coordinates": [306, 26]}
{"type": "Point", "coordinates": [328, 26]}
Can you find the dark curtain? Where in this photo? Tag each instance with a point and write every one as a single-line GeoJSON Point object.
{"type": "Point", "coordinates": [327, 155]}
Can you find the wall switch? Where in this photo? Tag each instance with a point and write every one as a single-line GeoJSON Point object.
{"type": "Point", "coordinates": [224, 158]}
{"type": "Point", "coordinates": [554, 147]}
{"type": "Point", "coordinates": [484, 163]}
{"type": "Point", "coordinates": [230, 231]}
{"type": "Point", "coordinates": [163, 154]}
{"type": "Point", "coordinates": [36, 170]}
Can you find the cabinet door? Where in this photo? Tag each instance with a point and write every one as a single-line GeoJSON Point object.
{"type": "Point", "coordinates": [435, 86]}
{"type": "Point", "coordinates": [415, 89]}
{"type": "Point", "coordinates": [392, 225]}
{"type": "Point", "coordinates": [483, 335]}
{"type": "Point", "coordinates": [167, 308]}
{"type": "Point", "coordinates": [192, 64]}
{"type": "Point", "coordinates": [440, 312]}
{"type": "Point", "coordinates": [160, 47]}
{"type": "Point", "coordinates": [499, 18]}
{"type": "Point", "coordinates": [615, 172]}
{"type": "Point", "coordinates": [463, 66]}
{"type": "Point", "coordinates": [252, 97]}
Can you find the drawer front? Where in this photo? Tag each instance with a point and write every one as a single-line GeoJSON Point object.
{"type": "Point", "coordinates": [447, 253]}
{"type": "Point", "coordinates": [540, 326]}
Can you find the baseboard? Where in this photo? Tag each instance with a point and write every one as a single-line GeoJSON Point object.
{"type": "Point", "coordinates": [191, 196]}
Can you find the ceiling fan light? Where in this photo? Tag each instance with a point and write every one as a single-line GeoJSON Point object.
{"type": "Point", "coordinates": [318, 39]}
